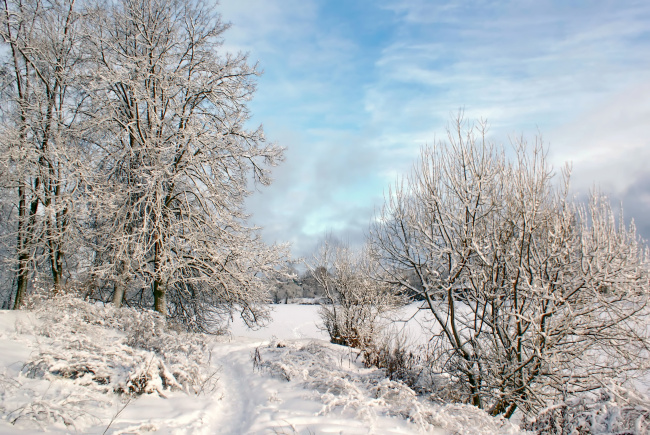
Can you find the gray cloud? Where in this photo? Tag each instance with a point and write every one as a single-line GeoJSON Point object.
{"type": "Point", "coordinates": [636, 205]}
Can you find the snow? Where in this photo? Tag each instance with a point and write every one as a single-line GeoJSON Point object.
{"type": "Point", "coordinates": [290, 321]}
{"type": "Point", "coordinates": [293, 321]}
{"type": "Point", "coordinates": [285, 378]}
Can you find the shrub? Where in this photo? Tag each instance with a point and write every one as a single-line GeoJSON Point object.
{"type": "Point", "coordinates": [353, 299]}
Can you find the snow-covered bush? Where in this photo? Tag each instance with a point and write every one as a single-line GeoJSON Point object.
{"type": "Point", "coordinates": [609, 410]}
{"type": "Point", "coordinates": [392, 354]}
{"type": "Point", "coordinates": [343, 385]}
{"type": "Point", "coordinates": [354, 301]}
{"type": "Point", "coordinates": [123, 350]}
{"type": "Point", "coordinates": [532, 294]}
{"type": "Point", "coordinates": [88, 363]}
{"type": "Point", "coordinates": [415, 366]}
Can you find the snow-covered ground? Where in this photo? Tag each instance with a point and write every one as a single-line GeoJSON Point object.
{"type": "Point", "coordinates": [60, 366]}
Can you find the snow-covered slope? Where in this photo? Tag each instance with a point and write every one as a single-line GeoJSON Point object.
{"type": "Point", "coordinates": [60, 366]}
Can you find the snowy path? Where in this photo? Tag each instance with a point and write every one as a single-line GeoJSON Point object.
{"type": "Point", "coordinates": [254, 402]}
{"type": "Point", "coordinates": [240, 387]}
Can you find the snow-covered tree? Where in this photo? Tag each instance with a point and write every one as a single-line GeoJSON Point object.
{"type": "Point", "coordinates": [40, 137]}
{"type": "Point", "coordinates": [176, 162]}
{"type": "Point", "coordinates": [124, 145]}
{"type": "Point", "coordinates": [533, 294]}
{"type": "Point", "coordinates": [286, 287]}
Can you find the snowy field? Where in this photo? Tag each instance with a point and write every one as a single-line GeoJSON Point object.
{"type": "Point", "coordinates": [302, 321]}
{"type": "Point", "coordinates": [59, 368]}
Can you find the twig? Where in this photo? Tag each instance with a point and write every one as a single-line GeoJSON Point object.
{"type": "Point", "coordinates": [117, 414]}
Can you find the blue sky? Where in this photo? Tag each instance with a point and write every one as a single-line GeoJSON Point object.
{"type": "Point", "coordinates": [354, 88]}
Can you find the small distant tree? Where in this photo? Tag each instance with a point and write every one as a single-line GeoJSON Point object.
{"type": "Point", "coordinates": [354, 300]}
{"type": "Point", "coordinates": [533, 295]}
{"type": "Point", "coordinates": [284, 291]}
{"type": "Point", "coordinates": [310, 286]}
{"type": "Point", "coordinates": [286, 287]}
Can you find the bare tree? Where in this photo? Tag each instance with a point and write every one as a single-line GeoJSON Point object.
{"type": "Point", "coordinates": [354, 298]}
{"type": "Point", "coordinates": [41, 132]}
{"type": "Point", "coordinates": [176, 162]}
{"type": "Point", "coordinates": [129, 112]}
{"type": "Point", "coordinates": [533, 295]}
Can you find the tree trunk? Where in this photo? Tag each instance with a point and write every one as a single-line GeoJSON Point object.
{"type": "Point", "coordinates": [25, 229]}
{"type": "Point", "coordinates": [56, 266]}
{"type": "Point", "coordinates": [159, 297]}
{"type": "Point", "coordinates": [118, 293]}
{"type": "Point", "coordinates": [22, 279]}
{"type": "Point", "coordinates": [159, 288]}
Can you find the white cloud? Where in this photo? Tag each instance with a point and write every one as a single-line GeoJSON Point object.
{"type": "Point", "coordinates": [257, 25]}
{"type": "Point", "coordinates": [354, 109]}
